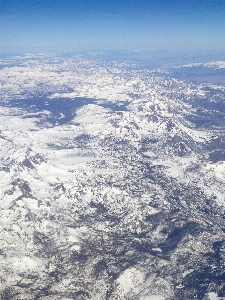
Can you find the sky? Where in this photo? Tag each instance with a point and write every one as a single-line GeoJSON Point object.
{"type": "Point", "coordinates": [101, 25]}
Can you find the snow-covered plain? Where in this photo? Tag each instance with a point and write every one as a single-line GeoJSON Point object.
{"type": "Point", "coordinates": [114, 203]}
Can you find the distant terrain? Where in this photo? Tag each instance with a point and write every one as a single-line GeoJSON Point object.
{"type": "Point", "coordinates": [112, 179]}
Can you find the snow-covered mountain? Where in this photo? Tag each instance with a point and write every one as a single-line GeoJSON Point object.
{"type": "Point", "coordinates": [112, 181]}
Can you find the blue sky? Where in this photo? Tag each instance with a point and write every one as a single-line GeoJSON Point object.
{"type": "Point", "coordinates": [70, 25]}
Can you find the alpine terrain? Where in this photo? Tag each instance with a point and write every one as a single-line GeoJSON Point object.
{"type": "Point", "coordinates": [112, 179]}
